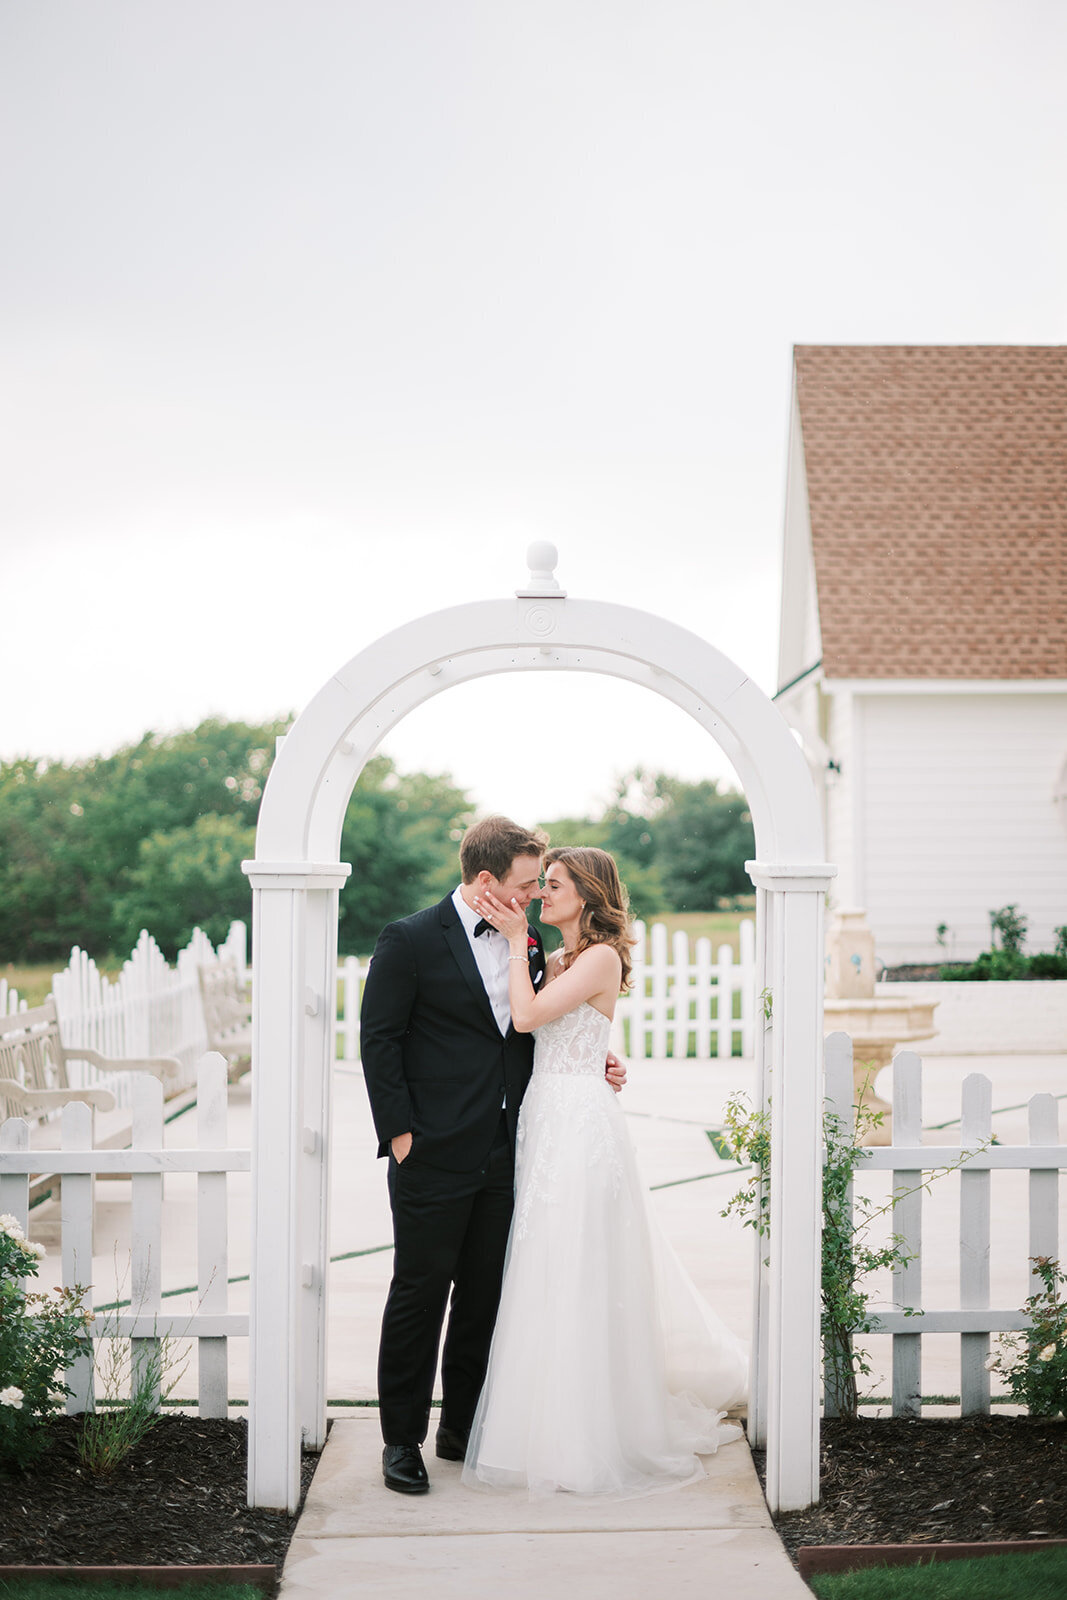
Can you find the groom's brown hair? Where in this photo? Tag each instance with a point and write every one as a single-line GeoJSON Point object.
{"type": "Point", "coordinates": [492, 845]}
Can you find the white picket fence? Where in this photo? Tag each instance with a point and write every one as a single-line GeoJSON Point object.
{"type": "Point", "coordinates": [908, 1159]}
{"type": "Point", "coordinates": [146, 1162]}
{"type": "Point", "coordinates": [681, 1002]}
{"type": "Point", "coordinates": [150, 1009]}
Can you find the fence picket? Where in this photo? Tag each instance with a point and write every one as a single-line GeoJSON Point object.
{"type": "Point", "coordinates": [907, 1222]}
{"type": "Point", "coordinates": [212, 1253]}
{"type": "Point", "coordinates": [1044, 1128]}
{"type": "Point", "coordinates": [724, 1002]}
{"type": "Point", "coordinates": [76, 1222]}
{"type": "Point", "coordinates": [660, 997]}
{"type": "Point", "coordinates": [146, 1226]}
{"type": "Point", "coordinates": [976, 1125]}
{"type": "Point", "coordinates": [15, 1186]}
{"type": "Point", "coordinates": [348, 1023]}
{"type": "Point", "coordinates": [703, 990]}
{"type": "Point", "coordinates": [746, 979]}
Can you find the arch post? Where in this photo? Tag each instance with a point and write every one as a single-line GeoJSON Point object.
{"type": "Point", "coordinates": [294, 957]}
{"type": "Point", "coordinates": [786, 1343]}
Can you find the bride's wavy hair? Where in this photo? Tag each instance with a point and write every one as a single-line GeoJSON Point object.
{"type": "Point", "coordinates": [606, 913]}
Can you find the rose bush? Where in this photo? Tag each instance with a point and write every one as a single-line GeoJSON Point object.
{"type": "Point", "coordinates": [40, 1336]}
{"type": "Point", "coordinates": [1034, 1364]}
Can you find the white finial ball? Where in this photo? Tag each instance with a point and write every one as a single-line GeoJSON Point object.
{"type": "Point", "coordinates": [542, 556]}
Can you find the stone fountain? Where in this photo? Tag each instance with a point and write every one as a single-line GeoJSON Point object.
{"type": "Point", "coordinates": [877, 1024]}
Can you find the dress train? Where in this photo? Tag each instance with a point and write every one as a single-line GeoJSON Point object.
{"type": "Point", "coordinates": [609, 1374]}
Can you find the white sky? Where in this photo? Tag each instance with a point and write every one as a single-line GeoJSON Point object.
{"type": "Point", "coordinates": [314, 314]}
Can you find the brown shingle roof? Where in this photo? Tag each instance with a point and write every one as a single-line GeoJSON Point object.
{"type": "Point", "coordinates": [937, 479]}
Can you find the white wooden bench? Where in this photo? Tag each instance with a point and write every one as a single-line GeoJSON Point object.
{"type": "Point", "coordinates": [34, 1082]}
{"type": "Point", "coordinates": [227, 1015]}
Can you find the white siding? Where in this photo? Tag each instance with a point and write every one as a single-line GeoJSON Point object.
{"type": "Point", "coordinates": [956, 817]}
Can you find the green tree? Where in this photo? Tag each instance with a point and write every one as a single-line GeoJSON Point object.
{"type": "Point", "coordinates": [401, 833]}
{"type": "Point", "coordinates": [154, 835]}
{"type": "Point", "coordinates": [626, 830]}
{"type": "Point", "coordinates": [679, 846]}
{"type": "Point", "coordinates": [630, 828]}
{"type": "Point", "coordinates": [49, 878]}
{"type": "Point", "coordinates": [187, 878]}
{"type": "Point", "coordinates": [71, 835]}
{"type": "Point", "coordinates": [703, 839]}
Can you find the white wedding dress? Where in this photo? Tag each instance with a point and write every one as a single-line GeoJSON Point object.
{"type": "Point", "coordinates": [608, 1373]}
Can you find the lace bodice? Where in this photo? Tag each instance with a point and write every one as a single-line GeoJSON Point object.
{"type": "Point", "coordinates": [575, 1043]}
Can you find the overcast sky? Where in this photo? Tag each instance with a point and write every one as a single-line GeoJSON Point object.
{"type": "Point", "coordinates": [314, 314]}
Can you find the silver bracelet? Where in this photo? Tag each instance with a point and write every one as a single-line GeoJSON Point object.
{"type": "Point", "coordinates": [518, 958]}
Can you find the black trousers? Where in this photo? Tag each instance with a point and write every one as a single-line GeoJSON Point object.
{"type": "Point", "coordinates": [450, 1231]}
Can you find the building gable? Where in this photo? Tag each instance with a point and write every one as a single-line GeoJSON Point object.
{"type": "Point", "coordinates": [937, 486]}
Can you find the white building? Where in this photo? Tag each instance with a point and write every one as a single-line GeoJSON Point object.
{"type": "Point", "coordinates": [923, 648]}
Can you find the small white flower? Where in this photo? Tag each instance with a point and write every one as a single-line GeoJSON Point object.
{"type": "Point", "coordinates": [31, 1248]}
{"type": "Point", "coordinates": [1047, 1353]}
{"type": "Point", "coordinates": [11, 1397]}
{"type": "Point", "coordinates": [11, 1226]}
{"type": "Point", "coordinates": [990, 1363]}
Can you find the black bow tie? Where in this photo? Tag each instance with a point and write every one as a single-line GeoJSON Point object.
{"type": "Point", "coordinates": [481, 926]}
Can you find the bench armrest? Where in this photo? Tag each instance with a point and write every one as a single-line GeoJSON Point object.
{"type": "Point", "coordinates": [50, 1099]}
{"type": "Point", "coordinates": [158, 1066]}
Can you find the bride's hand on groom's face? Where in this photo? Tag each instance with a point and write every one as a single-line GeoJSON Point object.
{"type": "Point", "coordinates": [508, 920]}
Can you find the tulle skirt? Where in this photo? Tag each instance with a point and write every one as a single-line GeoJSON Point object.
{"type": "Point", "coordinates": [609, 1374]}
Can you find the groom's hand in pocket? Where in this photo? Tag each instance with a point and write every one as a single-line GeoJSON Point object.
{"type": "Point", "coordinates": [615, 1072]}
{"type": "Point", "coordinates": [401, 1147]}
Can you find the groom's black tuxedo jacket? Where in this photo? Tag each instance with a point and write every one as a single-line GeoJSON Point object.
{"type": "Point", "coordinates": [434, 1060]}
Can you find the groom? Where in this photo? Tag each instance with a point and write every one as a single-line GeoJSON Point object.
{"type": "Point", "coordinates": [445, 1072]}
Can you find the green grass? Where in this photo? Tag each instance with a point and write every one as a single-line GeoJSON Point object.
{"type": "Point", "coordinates": [1036, 1575]}
{"type": "Point", "coordinates": [721, 927]}
{"type": "Point", "coordinates": [34, 981]}
{"type": "Point", "coordinates": [74, 1589]}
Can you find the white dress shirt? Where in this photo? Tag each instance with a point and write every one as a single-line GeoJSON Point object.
{"type": "Point", "coordinates": [490, 951]}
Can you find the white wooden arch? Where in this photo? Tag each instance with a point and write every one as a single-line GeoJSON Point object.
{"type": "Point", "coordinates": [295, 880]}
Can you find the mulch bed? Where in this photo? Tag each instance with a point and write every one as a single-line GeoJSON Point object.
{"type": "Point", "coordinates": [975, 1479]}
{"type": "Point", "coordinates": [179, 1497]}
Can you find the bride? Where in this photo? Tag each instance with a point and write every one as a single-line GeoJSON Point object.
{"type": "Point", "coordinates": [608, 1373]}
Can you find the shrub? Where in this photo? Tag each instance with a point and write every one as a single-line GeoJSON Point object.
{"type": "Point", "coordinates": [1005, 960]}
{"type": "Point", "coordinates": [1034, 1364]}
{"type": "Point", "coordinates": [1048, 964]}
{"type": "Point", "coordinates": [1011, 926]}
{"type": "Point", "coordinates": [40, 1336]}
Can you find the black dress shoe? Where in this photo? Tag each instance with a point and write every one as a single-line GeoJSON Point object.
{"type": "Point", "coordinates": [403, 1470]}
{"type": "Point", "coordinates": [452, 1443]}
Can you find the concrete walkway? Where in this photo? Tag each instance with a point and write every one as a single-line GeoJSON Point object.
{"type": "Point", "coordinates": [357, 1537]}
